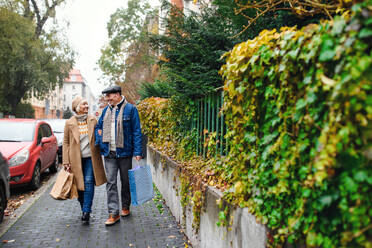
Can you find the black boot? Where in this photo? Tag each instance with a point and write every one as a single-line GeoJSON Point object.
{"type": "Point", "coordinates": [85, 218]}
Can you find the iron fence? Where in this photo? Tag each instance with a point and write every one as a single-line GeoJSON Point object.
{"type": "Point", "coordinates": [209, 123]}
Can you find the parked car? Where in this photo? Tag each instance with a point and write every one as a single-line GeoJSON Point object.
{"type": "Point", "coordinates": [30, 147]}
{"type": "Point", "coordinates": [4, 185]}
{"type": "Point", "coordinates": [58, 126]}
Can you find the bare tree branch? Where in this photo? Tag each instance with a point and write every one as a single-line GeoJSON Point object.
{"type": "Point", "coordinates": [41, 18]}
{"type": "Point", "coordinates": [301, 8]}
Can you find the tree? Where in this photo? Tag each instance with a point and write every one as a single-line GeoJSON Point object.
{"type": "Point", "coordinates": [32, 61]}
{"type": "Point", "coordinates": [24, 110]}
{"type": "Point", "coordinates": [127, 33]}
{"type": "Point", "coordinates": [191, 49]}
{"type": "Point", "coordinates": [35, 10]}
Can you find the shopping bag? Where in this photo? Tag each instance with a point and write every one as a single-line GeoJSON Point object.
{"type": "Point", "coordinates": [73, 191]}
{"type": "Point", "coordinates": [140, 183]}
{"type": "Point", "coordinates": [64, 186]}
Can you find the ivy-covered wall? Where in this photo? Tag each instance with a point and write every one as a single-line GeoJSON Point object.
{"type": "Point", "coordinates": [298, 105]}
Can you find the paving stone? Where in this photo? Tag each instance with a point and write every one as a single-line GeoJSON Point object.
{"type": "Point", "coordinates": [52, 223]}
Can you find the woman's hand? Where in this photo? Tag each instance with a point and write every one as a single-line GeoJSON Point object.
{"type": "Point", "coordinates": [67, 167]}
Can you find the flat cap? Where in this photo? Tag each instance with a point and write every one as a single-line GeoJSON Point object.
{"type": "Point", "coordinates": [112, 89]}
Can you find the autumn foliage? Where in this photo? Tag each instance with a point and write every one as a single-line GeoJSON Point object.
{"type": "Point", "coordinates": [298, 110]}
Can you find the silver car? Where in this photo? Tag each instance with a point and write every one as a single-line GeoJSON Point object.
{"type": "Point", "coordinates": [58, 126]}
{"type": "Point", "coordinates": [4, 185]}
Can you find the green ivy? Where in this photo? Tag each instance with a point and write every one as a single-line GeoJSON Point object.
{"type": "Point", "coordinates": [298, 105]}
{"type": "Point", "coordinates": [299, 102]}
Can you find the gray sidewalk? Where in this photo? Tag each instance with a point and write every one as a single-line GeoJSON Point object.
{"type": "Point", "coordinates": [52, 223]}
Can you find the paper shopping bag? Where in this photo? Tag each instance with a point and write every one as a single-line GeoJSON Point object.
{"type": "Point", "coordinates": [140, 183]}
{"type": "Point", "coordinates": [73, 191]}
{"type": "Point", "coordinates": [63, 185]}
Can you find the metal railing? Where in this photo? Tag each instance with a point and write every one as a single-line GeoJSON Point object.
{"type": "Point", "coordinates": [208, 120]}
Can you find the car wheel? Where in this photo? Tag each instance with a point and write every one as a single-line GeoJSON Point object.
{"type": "Point", "coordinates": [54, 167]}
{"type": "Point", "coordinates": [3, 202]}
{"type": "Point", "coordinates": [36, 177]}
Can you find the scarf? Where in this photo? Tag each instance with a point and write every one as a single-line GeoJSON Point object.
{"type": "Point", "coordinates": [106, 132]}
{"type": "Point", "coordinates": [82, 117]}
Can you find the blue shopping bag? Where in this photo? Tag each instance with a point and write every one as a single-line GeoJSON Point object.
{"type": "Point", "coordinates": [140, 183]}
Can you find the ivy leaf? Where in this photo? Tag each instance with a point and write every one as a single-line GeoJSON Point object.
{"type": "Point", "coordinates": [350, 185]}
{"type": "Point", "coordinates": [326, 200]}
{"type": "Point", "coordinates": [361, 176]}
{"type": "Point", "coordinates": [364, 62]}
{"type": "Point", "coordinates": [338, 25]}
{"type": "Point", "coordinates": [240, 89]}
{"type": "Point", "coordinates": [239, 187]}
{"type": "Point", "coordinates": [311, 239]}
{"type": "Point", "coordinates": [328, 51]}
{"type": "Point", "coordinates": [222, 215]}
{"type": "Point", "coordinates": [249, 138]}
{"type": "Point", "coordinates": [327, 81]}
{"type": "Point", "coordinates": [365, 33]}
{"type": "Point", "coordinates": [300, 104]}
{"type": "Point", "coordinates": [306, 193]}
{"type": "Point", "coordinates": [269, 137]}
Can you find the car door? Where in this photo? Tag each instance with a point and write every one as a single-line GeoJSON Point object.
{"type": "Point", "coordinates": [43, 148]}
{"type": "Point", "coordinates": [49, 154]}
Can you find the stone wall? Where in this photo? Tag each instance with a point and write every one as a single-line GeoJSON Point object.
{"type": "Point", "coordinates": [245, 231]}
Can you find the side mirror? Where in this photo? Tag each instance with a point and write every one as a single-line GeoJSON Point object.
{"type": "Point", "coordinates": [45, 140]}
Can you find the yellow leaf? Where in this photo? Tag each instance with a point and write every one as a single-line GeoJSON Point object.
{"type": "Point", "coordinates": [292, 221]}
{"type": "Point", "coordinates": [320, 176]}
{"type": "Point", "coordinates": [239, 98]}
{"type": "Point", "coordinates": [327, 81]}
{"type": "Point", "coordinates": [238, 187]}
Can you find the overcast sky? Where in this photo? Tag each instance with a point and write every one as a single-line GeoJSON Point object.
{"type": "Point", "coordinates": [87, 33]}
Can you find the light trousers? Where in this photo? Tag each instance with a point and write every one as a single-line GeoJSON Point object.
{"type": "Point", "coordinates": [113, 166]}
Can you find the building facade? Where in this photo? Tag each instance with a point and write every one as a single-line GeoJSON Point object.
{"type": "Point", "coordinates": [50, 107]}
{"type": "Point", "coordinates": [76, 85]}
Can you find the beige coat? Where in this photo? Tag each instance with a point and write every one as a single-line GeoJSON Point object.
{"type": "Point", "coordinates": [72, 154]}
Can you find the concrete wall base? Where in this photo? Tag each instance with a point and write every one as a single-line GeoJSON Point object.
{"type": "Point", "coordinates": [245, 231]}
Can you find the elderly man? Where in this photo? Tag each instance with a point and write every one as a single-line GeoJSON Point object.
{"type": "Point", "coordinates": [118, 133]}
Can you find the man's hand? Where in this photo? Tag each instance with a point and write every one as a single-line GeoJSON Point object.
{"type": "Point", "coordinates": [99, 132]}
{"type": "Point", "coordinates": [138, 158]}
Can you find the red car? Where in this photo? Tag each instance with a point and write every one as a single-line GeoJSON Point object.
{"type": "Point", "coordinates": [30, 147]}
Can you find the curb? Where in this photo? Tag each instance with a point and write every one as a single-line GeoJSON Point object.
{"type": "Point", "coordinates": [9, 221]}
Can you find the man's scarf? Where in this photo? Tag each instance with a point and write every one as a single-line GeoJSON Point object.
{"type": "Point", "coordinates": [106, 136]}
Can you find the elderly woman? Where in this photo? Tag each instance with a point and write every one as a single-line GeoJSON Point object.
{"type": "Point", "coordinates": [81, 156]}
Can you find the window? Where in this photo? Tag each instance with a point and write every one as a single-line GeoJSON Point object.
{"type": "Point", "coordinates": [47, 132]}
{"type": "Point", "coordinates": [16, 131]}
{"type": "Point", "coordinates": [39, 135]}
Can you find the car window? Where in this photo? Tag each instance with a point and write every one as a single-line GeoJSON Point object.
{"type": "Point", "coordinates": [57, 126]}
{"type": "Point", "coordinates": [47, 132]}
{"type": "Point", "coordinates": [11, 131]}
{"type": "Point", "coordinates": [39, 135]}
{"type": "Point", "coordinates": [1, 158]}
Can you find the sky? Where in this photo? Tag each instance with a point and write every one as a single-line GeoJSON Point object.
{"type": "Point", "coordinates": [87, 33]}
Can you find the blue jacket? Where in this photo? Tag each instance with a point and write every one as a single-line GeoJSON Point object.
{"type": "Point", "coordinates": [132, 132]}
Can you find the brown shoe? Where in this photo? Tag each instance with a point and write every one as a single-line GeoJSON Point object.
{"type": "Point", "coordinates": [112, 219]}
{"type": "Point", "coordinates": [125, 212]}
